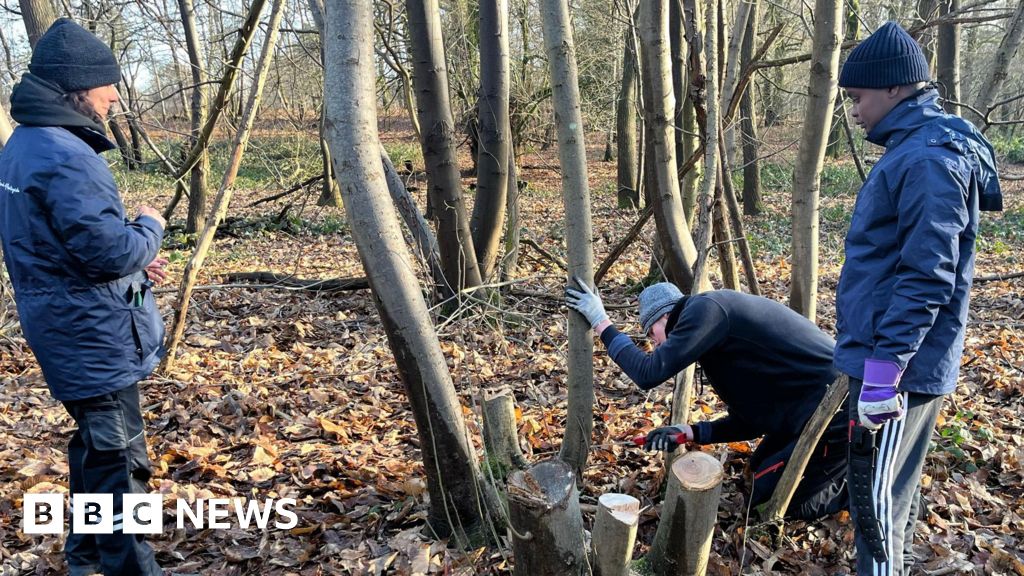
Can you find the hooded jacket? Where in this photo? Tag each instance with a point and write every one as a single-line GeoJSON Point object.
{"type": "Point", "coordinates": [75, 262]}
{"type": "Point", "coordinates": [905, 286]}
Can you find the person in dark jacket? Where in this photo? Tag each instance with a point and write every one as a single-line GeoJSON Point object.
{"type": "Point", "coordinates": [903, 293]}
{"type": "Point", "coordinates": [81, 274]}
{"type": "Point", "coordinates": [768, 364]}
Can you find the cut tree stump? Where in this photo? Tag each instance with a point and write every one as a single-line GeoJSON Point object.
{"type": "Point", "coordinates": [545, 521]}
{"type": "Point", "coordinates": [500, 435]}
{"type": "Point", "coordinates": [688, 516]}
{"type": "Point", "coordinates": [614, 534]}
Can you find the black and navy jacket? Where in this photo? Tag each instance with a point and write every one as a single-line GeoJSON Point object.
{"type": "Point", "coordinates": [768, 364]}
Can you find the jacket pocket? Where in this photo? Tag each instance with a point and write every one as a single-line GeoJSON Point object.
{"type": "Point", "coordinates": [106, 429]}
{"type": "Point", "coordinates": [147, 326]}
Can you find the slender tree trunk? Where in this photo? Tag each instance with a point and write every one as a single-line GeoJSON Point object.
{"type": "Point", "coordinates": [926, 11]}
{"type": "Point", "coordinates": [197, 176]}
{"type": "Point", "coordinates": [460, 500]}
{"type": "Point", "coordinates": [999, 70]}
{"type": "Point", "coordinates": [947, 59]}
{"type": "Point", "coordinates": [625, 127]}
{"type": "Point", "coordinates": [692, 22]}
{"type": "Point", "coordinates": [748, 124]}
{"type": "Point", "coordinates": [744, 11]}
{"type": "Point", "coordinates": [712, 130]}
{"type": "Point", "coordinates": [430, 79]}
{"type": "Point", "coordinates": [512, 224]}
{"type": "Point", "coordinates": [821, 92]}
{"type": "Point", "coordinates": [38, 16]}
{"type": "Point", "coordinates": [492, 164]}
{"type": "Point", "coordinates": [572, 154]}
{"type": "Point", "coordinates": [659, 104]}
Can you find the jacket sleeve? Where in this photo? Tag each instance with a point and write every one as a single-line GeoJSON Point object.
{"type": "Point", "coordinates": [725, 429]}
{"type": "Point", "coordinates": [932, 213]}
{"type": "Point", "coordinates": [86, 212]}
{"type": "Point", "coordinates": [702, 325]}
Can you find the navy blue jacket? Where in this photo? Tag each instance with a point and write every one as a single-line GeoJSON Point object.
{"type": "Point", "coordinates": [905, 285]}
{"type": "Point", "coordinates": [768, 364]}
{"type": "Point", "coordinates": [75, 262]}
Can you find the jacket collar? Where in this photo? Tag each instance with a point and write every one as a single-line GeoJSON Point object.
{"type": "Point", "coordinates": [37, 102]}
{"type": "Point", "coordinates": [910, 114]}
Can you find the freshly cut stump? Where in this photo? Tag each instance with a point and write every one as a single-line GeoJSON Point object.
{"type": "Point", "coordinates": [546, 523]}
{"type": "Point", "coordinates": [688, 516]}
{"type": "Point", "coordinates": [614, 534]}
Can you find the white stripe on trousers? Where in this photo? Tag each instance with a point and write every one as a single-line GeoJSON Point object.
{"type": "Point", "coordinates": [892, 436]}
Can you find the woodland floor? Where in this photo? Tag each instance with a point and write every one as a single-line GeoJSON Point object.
{"type": "Point", "coordinates": [284, 393]}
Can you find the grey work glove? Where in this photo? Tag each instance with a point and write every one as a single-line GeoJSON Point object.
{"type": "Point", "coordinates": [586, 301]}
{"type": "Point", "coordinates": [668, 438]}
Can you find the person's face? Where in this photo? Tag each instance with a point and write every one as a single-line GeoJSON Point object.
{"type": "Point", "coordinates": [870, 105]}
{"type": "Point", "coordinates": [101, 99]}
{"type": "Point", "coordinates": [657, 331]}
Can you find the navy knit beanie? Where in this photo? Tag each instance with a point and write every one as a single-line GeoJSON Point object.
{"type": "Point", "coordinates": [889, 57]}
{"type": "Point", "coordinates": [73, 58]}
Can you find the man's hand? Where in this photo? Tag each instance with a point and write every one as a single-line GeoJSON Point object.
{"type": "Point", "coordinates": [155, 270]}
{"type": "Point", "coordinates": [879, 400]}
{"type": "Point", "coordinates": [152, 213]}
{"type": "Point", "coordinates": [668, 438]}
{"type": "Point", "coordinates": [587, 302]}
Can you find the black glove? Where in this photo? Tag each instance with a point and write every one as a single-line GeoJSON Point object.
{"type": "Point", "coordinates": [668, 438]}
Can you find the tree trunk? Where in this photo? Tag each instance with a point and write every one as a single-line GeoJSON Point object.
{"type": "Point", "coordinates": [1001, 63]}
{"type": "Point", "coordinates": [926, 11]}
{"type": "Point", "coordinates": [688, 516]}
{"type": "Point", "coordinates": [572, 155]}
{"type": "Point", "coordinates": [744, 12]}
{"type": "Point", "coordinates": [687, 130]}
{"type": "Point", "coordinates": [628, 194]}
{"type": "Point", "coordinates": [430, 79]}
{"type": "Point", "coordinates": [38, 16]}
{"type": "Point", "coordinates": [426, 242]}
{"type": "Point", "coordinates": [723, 239]}
{"type": "Point", "coordinates": [547, 526]}
{"type": "Point", "coordinates": [457, 504]}
{"type": "Point", "coordinates": [197, 176]}
{"type": "Point", "coordinates": [512, 225]}
{"type": "Point", "coordinates": [736, 222]}
{"type": "Point", "coordinates": [501, 438]}
{"type": "Point", "coordinates": [712, 131]}
{"type": "Point", "coordinates": [752, 205]}
{"type": "Point", "coordinates": [659, 108]}
{"type": "Point", "coordinates": [947, 59]}
{"type": "Point", "coordinates": [492, 163]}
{"type": "Point", "coordinates": [821, 92]}
{"type": "Point", "coordinates": [614, 534]}
{"type": "Point", "coordinates": [221, 203]}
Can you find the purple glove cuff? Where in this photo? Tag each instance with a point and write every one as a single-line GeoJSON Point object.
{"type": "Point", "coordinates": [881, 372]}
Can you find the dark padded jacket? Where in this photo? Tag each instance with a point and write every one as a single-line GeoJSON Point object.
{"type": "Point", "coordinates": [75, 262]}
{"type": "Point", "coordinates": [905, 286]}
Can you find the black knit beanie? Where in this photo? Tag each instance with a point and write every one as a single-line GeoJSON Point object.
{"type": "Point", "coordinates": [889, 57]}
{"type": "Point", "coordinates": [73, 58]}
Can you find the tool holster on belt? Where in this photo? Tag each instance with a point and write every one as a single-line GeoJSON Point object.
{"type": "Point", "coordinates": [862, 463]}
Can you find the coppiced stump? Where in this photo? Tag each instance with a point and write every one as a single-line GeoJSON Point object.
{"type": "Point", "coordinates": [545, 521]}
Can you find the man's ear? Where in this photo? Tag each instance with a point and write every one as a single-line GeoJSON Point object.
{"type": "Point", "coordinates": [893, 92]}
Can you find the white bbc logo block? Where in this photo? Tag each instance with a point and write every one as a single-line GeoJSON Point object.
{"type": "Point", "coordinates": [92, 513]}
{"type": "Point", "coordinates": [43, 513]}
{"type": "Point", "coordinates": [142, 514]}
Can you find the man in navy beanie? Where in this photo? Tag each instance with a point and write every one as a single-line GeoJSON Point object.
{"type": "Point", "coordinates": [903, 294]}
{"type": "Point", "coordinates": [81, 273]}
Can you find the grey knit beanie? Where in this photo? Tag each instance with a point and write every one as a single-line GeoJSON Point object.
{"type": "Point", "coordinates": [73, 58]}
{"type": "Point", "coordinates": [889, 57]}
{"type": "Point", "coordinates": [655, 301]}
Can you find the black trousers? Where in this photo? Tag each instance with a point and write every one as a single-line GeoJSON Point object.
{"type": "Point", "coordinates": [107, 455]}
{"type": "Point", "coordinates": [822, 490]}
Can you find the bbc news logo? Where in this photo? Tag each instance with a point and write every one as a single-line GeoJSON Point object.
{"type": "Point", "coordinates": [143, 514]}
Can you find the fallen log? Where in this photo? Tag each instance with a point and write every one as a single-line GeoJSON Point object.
{"type": "Point", "coordinates": [546, 522]}
{"type": "Point", "coordinates": [614, 534]}
{"type": "Point", "coordinates": [328, 285]}
{"type": "Point", "coordinates": [688, 516]}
